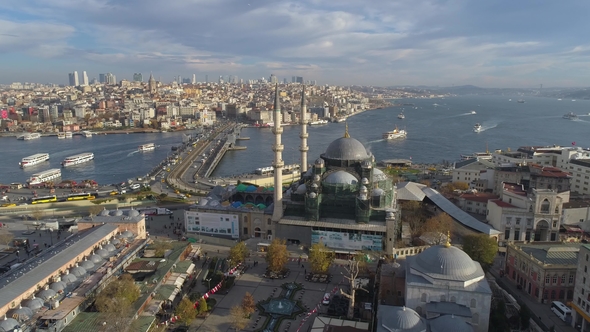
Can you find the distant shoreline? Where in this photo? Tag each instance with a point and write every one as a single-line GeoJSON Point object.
{"type": "Point", "coordinates": [97, 133]}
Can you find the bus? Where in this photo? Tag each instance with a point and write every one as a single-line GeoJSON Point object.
{"type": "Point", "coordinates": [44, 199]}
{"type": "Point", "coordinates": [562, 311]}
{"type": "Point", "coordinates": [77, 197]}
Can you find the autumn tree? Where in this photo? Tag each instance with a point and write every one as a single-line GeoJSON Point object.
{"type": "Point", "coordinates": [202, 306]}
{"type": "Point", "coordinates": [248, 304]}
{"type": "Point", "coordinates": [439, 226]}
{"type": "Point", "coordinates": [320, 257]}
{"type": "Point", "coordinates": [95, 210]}
{"type": "Point", "coordinates": [238, 253]}
{"type": "Point", "coordinates": [6, 238]}
{"type": "Point", "coordinates": [238, 318]}
{"type": "Point", "coordinates": [37, 214]}
{"type": "Point", "coordinates": [481, 248]}
{"type": "Point", "coordinates": [277, 255]}
{"type": "Point", "coordinates": [185, 311]}
{"type": "Point", "coordinates": [352, 272]}
{"type": "Point", "coordinates": [160, 248]}
{"type": "Point", "coordinates": [413, 215]}
{"type": "Point", "coordinates": [117, 294]}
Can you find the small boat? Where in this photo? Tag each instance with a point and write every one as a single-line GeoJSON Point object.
{"type": "Point", "coordinates": [61, 135]}
{"type": "Point", "coordinates": [395, 134]}
{"type": "Point", "coordinates": [477, 155]}
{"type": "Point", "coordinates": [147, 147]}
{"type": "Point", "coordinates": [509, 99]}
{"type": "Point", "coordinates": [477, 128]}
{"type": "Point", "coordinates": [401, 116]}
{"type": "Point", "coordinates": [558, 98]}
{"type": "Point", "coordinates": [28, 137]}
{"type": "Point", "coordinates": [34, 159]}
{"type": "Point", "coordinates": [78, 159]}
{"type": "Point", "coordinates": [69, 134]}
{"type": "Point", "coordinates": [573, 100]}
{"type": "Point", "coordinates": [520, 101]}
{"type": "Point", "coordinates": [318, 122]}
{"type": "Point", "coordinates": [473, 112]}
{"type": "Point", "coordinates": [87, 134]}
{"type": "Point", "coordinates": [570, 116]}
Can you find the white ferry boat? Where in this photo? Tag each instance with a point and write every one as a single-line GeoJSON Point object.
{"type": "Point", "coordinates": [477, 155]}
{"type": "Point", "coordinates": [477, 128]}
{"type": "Point", "coordinates": [318, 122]}
{"type": "Point", "coordinates": [34, 159]}
{"type": "Point", "coordinates": [473, 112]}
{"type": "Point", "coordinates": [401, 115]}
{"type": "Point", "coordinates": [61, 135]}
{"type": "Point", "coordinates": [69, 134]}
{"type": "Point", "coordinates": [87, 134]}
{"type": "Point", "coordinates": [28, 137]}
{"type": "Point", "coordinates": [78, 159]}
{"type": "Point", "coordinates": [45, 176]}
{"type": "Point", "coordinates": [570, 116]}
{"type": "Point", "coordinates": [395, 134]}
{"type": "Point", "coordinates": [147, 147]}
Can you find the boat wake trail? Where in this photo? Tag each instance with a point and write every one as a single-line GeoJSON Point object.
{"type": "Point", "coordinates": [484, 128]}
{"type": "Point", "coordinates": [132, 153]}
{"type": "Point", "coordinates": [375, 141]}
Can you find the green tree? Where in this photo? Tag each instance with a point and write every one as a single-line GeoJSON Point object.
{"type": "Point", "coordinates": [525, 317]}
{"type": "Point", "coordinates": [202, 306]}
{"type": "Point", "coordinates": [238, 318]}
{"type": "Point", "coordinates": [117, 294]}
{"type": "Point", "coordinates": [160, 248]}
{"type": "Point", "coordinates": [185, 311]}
{"type": "Point", "coordinates": [248, 304]}
{"type": "Point", "coordinates": [238, 253]}
{"type": "Point", "coordinates": [498, 320]}
{"type": "Point", "coordinates": [320, 258]}
{"type": "Point", "coordinates": [95, 210]}
{"type": "Point", "coordinates": [481, 248]}
{"type": "Point", "coordinates": [277, 255]}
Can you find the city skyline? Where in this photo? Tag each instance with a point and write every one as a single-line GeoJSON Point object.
{"type": "Point", "coordinates": [498, 44]}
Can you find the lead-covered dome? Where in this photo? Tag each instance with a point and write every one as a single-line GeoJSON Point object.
{"type": "Point", "coordinates": [346, 148]}
{"type": "Point", "coordinates": [341, 177]}
{"type": "Point", "coordinates": [402, 319]}
{"type": "Point", "coordinates": [444, 262]}
{"type": "Point", "coordinates": [447, 323]}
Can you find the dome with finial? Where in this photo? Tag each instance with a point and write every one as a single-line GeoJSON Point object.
{"type": "Point", "coordinates": [400, 319]}
{"type": "Point", "coordinates": [8, 324]}
{"type": "Point", "coordinates": [346, 148]}
{"type": "Point", "coordinates": [34, 303]}
{"type": "Point", "coordinates": [448, 263]}
{"type": "Point", "coordinates": [447, 323]}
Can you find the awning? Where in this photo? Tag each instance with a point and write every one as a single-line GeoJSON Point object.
{"type": "Point", "coordinates": [345, 252]}
{"type": "Point", "coordinates": [173, 295]}
{"type": "Point", "coordinates": [190, 269]}
{"type": "Point", "coordinates": [180, 280]}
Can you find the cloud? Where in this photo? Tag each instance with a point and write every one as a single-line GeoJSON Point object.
{"type": "Point", "coordinates": [42, 39]}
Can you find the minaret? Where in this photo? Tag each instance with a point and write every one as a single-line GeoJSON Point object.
{"type": "Point", "coordinates": [278, 162]}
{"type": "Point", "coordinates": [152, 84]}
{"type": "Point", "coordinates": [304, 135]}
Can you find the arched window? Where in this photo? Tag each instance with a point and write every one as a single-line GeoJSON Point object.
{"type": "Point", "coordinates": [545, 206]}
{"type": "Point", "coordinates": [245, 219]}
{"type": "Point", "coordinates": [268, 221]}
{"type": "Point", "coordinates": [453, 299]}
{"type": "Point", "coordinates": [475, 319]}
{"type": "Point", "coordinates": [424, 297]}
{"type": "Point", "coordinates": [443, 298]}
{"type": "Point", "coordinates": [473, 303]}
{"type": "Point", "coordinates": [570, 294]}
{"type": "Point", "coordinates": [553, 294]}
{"type": "Point", "coordinates": [561, 294]}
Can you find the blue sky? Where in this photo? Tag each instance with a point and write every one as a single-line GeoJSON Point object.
{"type": "Point", "coordinates": [502, 43]}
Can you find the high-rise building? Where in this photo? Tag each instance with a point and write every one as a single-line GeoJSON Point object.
{"type": "Point", "coordinates": [299, 80]}
{"type": "Point", "coordinates": [102, 78]}
{"type": "Point", "coordinates": [293, 79]}
{"type": "Point", "coordinates": [273, 79]}
{"type": "Point", "coordinates": [179, 79]}
{"type": "Point", "coordinates": [137, 77]}
{"type": "Point", "coordinates": [194, 81]}
{"type": "Point", "coordinates": [110, 79]}
{"type": "Point", "coordinates": [84, 78]}
{"type": "Point", "coordinates": [221, 79]}
{"type": "Point", "coordinates": [73, 78]}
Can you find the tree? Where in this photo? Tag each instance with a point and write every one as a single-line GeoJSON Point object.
{"type": "Point", "coordinates": [202, 306]}
{"type": "Point", "coordinates": [238, 253]}
{"type": "Point", "coordinates": [352, 272]}
{"type": "Point", "coordinates": [320, 258]}
{"type": "Point", "coordinates": [95, 210]}
{"type": "Point", "coordinates": [37, 214]}
{"type": "Point", "coordinates": [118, 294]}
{"type": "Point", "coordinates": [481, 248]}
{"type": "Point", "coordinates": [277, 255]}
{"type": "Point", "coordinates": [238, 318]}
{"type": "Point", "coordinates": [440, 225]}
{"type": "Point", "coordinates": [185, 311]}
{"type": "Point", "coordinates": [160, 248]}
{"type": "Point", "coordinates": [248, 304]}
{"type": "Point", "coordinates": [6, 238]}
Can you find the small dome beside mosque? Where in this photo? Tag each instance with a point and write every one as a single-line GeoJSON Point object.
{"type": "Point", "coordinates": [341, 177]}
{"type": "Point", "coordinates": [447, 262]}
{"type": "Point", "coordinates": [312, 195]}
{"type": "Point", "coordinates": [378, 175]}
{"type": "Point", "coordinates": [377, 192]}
{"type": "Point", "coordinates": [316, 178]}
{"type": "Point", "coordinates": [319, 162]}
{"type": "Point", "coordinates": [301, 189]}
{"type": "Point", "coordinates": [365, 181]}
{"type": "Point", "coordinates": [364, 189]}
{"type": "Point", "coordinates": [402, 319]}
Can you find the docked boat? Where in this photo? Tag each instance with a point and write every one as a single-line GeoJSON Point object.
{"type": "Point", "coordinates": [341, 119]}
{"type": "Point", "coordinates": [87, 134]}
{"type": "Point", "coordinates": [570, 116]}
{"type": "Point", "coordinates": [395, 134]}
{"type": "Point", "coordinates": [78, 159]}
{"type": "Point", "coordinates": [473, 112]}
{"type": "Point", "coordinates": [520, 101]}
{"type": "Point", "coordinates": [45, 176]}
{"type": "Point", "coordinates": [29, 136]}
{"type": "Point", "coordinates": [401, 116]}
{"type": "Point", "coordinates": [34, 159]}
{"type": "Point", "coordinates": [477, 155]}
{"type": "Point", "coordinates": [61, 135]}
{"type": "Point", "coordinates": [69, 134]}
{"type": "Point", "coordinates": [318, 122]}
{"type": "Point", "coordinates": [147, 147]}
{"type": "Point", "coordinates": [477, 128]}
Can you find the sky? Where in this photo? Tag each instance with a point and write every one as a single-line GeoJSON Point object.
{"type": "Point", "coordinates": [497, 43]}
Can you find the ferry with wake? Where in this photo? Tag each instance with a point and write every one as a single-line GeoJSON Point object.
{"type": "Point", "coordinates": [477, 128]}
{"type": "Point", "coordinates": [78, 159]}
{"type": "Point", "coordinates": [28, 137]}
{"type": "Point", "coordinates": [401, 115]}
{"type": "Point", "coordinates": [395, 134]}
{"type": "Point", "coordinates": [570, 116]}
{"type": "Point", "coordinates": [48, 175]}
{"type": "Point", "coordinates": [147, 147]}
{"type": "Point", "coordinates": [34, 159]}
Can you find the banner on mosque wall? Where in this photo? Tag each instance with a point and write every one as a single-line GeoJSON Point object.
{"type": "Point", "coordinates": [352, 241]}
{"type": "Point", "coordinates": [212, 223]}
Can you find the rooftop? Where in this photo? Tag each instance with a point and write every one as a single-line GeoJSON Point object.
{"type": "Point", "coordinates": [334, 223]}
{"type": "Point", "coordinates": [479, 197]}
{"type": "Point", "coordinates": [514, 188]}
{"type": "Point", "coordinates": [551, 253]}
{"type": "Point", "coordinates": [501, 203]}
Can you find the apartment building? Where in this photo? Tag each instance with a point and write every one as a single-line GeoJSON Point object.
{"type": "Point", "coordinates": [477, 173]}
{"type": "Point", "coordinates": [581, 300]}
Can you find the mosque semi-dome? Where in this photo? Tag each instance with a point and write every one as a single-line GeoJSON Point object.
{"type": "Point", "coordinates": [403, 319]}
{"type": "Point", "coordinates": [446, 262]}
{"type": "Point", "coordinates": [341, 177]}
{"type": "Point", "coordinates": [346, 148]}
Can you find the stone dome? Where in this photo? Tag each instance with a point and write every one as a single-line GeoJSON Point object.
{"type": "Point", "coordinates": [133, 213]}
{"type": "Point", "coordinates": [8, 324]}
{"type": "Point", "coordinates": [115, 241]}
{"type": "Point", "coordinates": [341, 177]}
{"type": "Point", "coordinates": [59, 285]}
{"type": "Point", "coordinates": [312, 195]}
{"type": "Point", "coordinates": [346, 148]}
{"type": "Point", "coordinates": [78, 271]}
{"type": "Point", "coordinates": [365, 181]}
{"type": "Point", "coordinates": [88, 265]}
{"type": "Point", "coordinates": [203, 202]}
{"type": "Point", "coordinates": [94, 258]}
{"type": "Point", "coordinates": [316, 177]}
{"type": "Point", "coordinates": [110, 247]}
{"type": "Point", "coordinates": [301, 189]}
{"type": "Point", "coordinates": [446, 263]}
{"type": "Point", "coordinates": [403, 319]}
{"type": "Point", "coordinates": [34, 304]}
{"type": "Point", "coordinates": [447, 323]}
{"type": "Point", "coordinates": [320, 162]}
{"type": "Point", "coordinates": [68, 279]}
{"type": "Point", "coordinates": [377, 192]}
{"type": "Point", "coordinates": [364, 189]}
{"type": "Point", "coordinates": [22, 314]}
{"type": "Point", "coordinates": [378, 175]}
{"type": "Point", "coordinates": [128, 234]}
{"type": "Point", "coordinates": [46, 294]}
{"type": "Point", "coordinates": [104, 213]}
{"type": "Point", "coordinates": [103, 252]}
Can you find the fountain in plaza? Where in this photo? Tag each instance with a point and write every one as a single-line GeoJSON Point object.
{"type": "Point", "coordinates": [281, 307]}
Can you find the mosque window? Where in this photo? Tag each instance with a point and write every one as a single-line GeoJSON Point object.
{"type": "Point", "coordinates": [424, 297]}
{"type": "Point", "coordinates": [475, 319]}
{"type": "Point", "coordinates": [245, 219]}
{"type": "Point", "coordinates": [563, 279]}
{"type": "Point", "coordinates": [268, 221]}
{"type": "Point", "coordinates": [545, 206]}
{"type": "Point", "coordinates": [443, 298]}
{"type": "Point", "coordinates": [473, 303]}
{"type": "Point", "coordinates": [453, 299]}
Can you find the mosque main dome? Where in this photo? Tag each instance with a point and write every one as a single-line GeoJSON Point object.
{"type": "Point", "coordinates": [447, 262]}
{"type": "Point", "coordinates": [346, 148]}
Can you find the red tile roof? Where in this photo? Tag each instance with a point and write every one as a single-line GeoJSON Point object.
{"type": "Point", "coordinates": [514, 188]}
{"type": "Point", "coordinates": [501, 203]}
{"type": "Point", "coordinates": [479, 197]}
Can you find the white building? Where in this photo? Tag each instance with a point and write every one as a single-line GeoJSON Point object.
{"type": "Point", "coordinates": [479, 174]}
{"type": "Point", "coordinates": [446, 274]}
